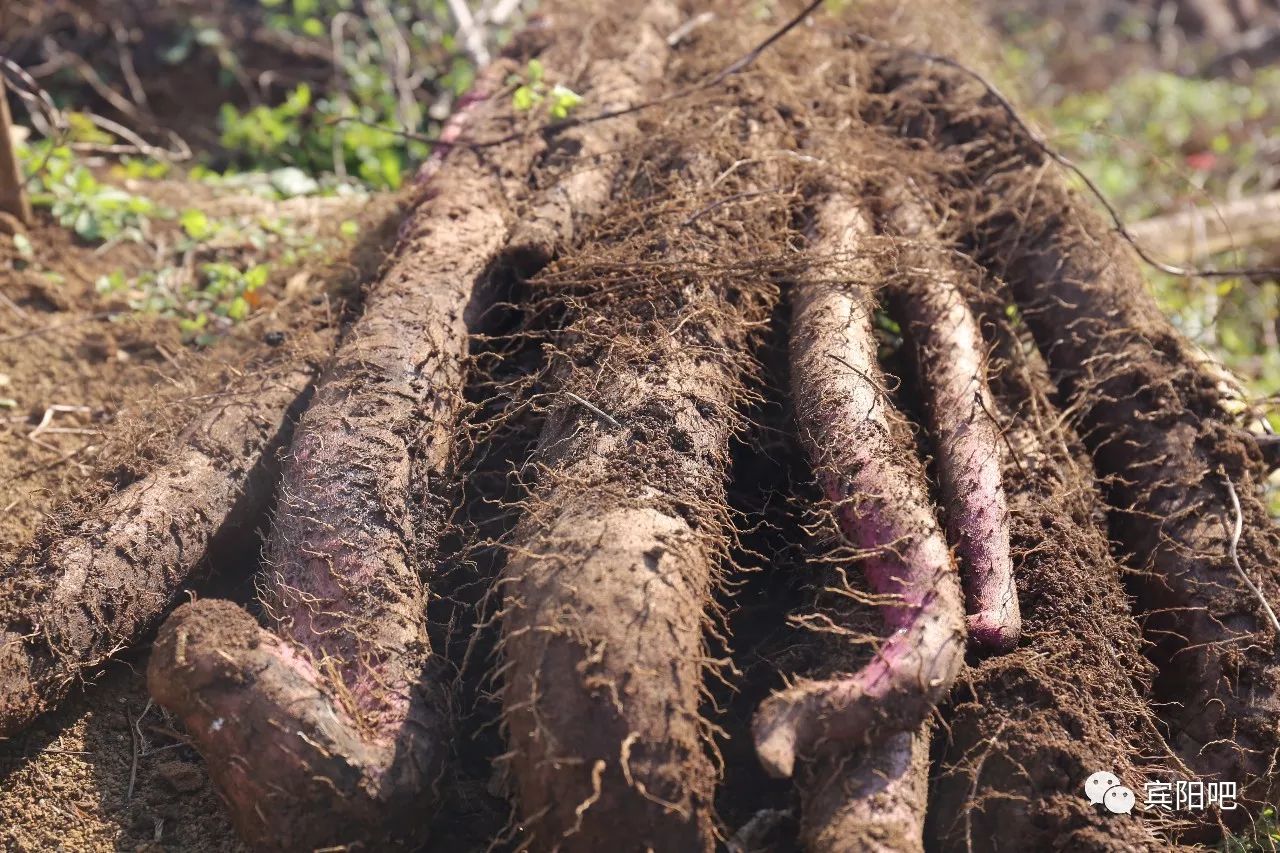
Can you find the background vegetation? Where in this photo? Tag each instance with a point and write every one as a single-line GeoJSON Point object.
{"type": "Point", "coordinates": [1160, 123]}
{"type": "Point", "coordinates": [331, 97]}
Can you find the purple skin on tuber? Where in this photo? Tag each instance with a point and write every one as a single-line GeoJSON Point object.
{"type": "Point", "coordinates": [868, 470]}
{"type": "Point", "coordinates": [332, 728]}
{"type": "Point", "coordinates": [949, 355]}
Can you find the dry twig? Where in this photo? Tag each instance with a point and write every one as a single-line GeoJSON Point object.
{"type": "Point", "coordinates": [1236, 529]}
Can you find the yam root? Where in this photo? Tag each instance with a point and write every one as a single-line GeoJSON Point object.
{"type": "Point", "coordinates": [263, 712]}
{"type": "Point", "coordinates": [609, 584]}
{"type": "Point", "coordinates": [868, 800]}
{"type": "Point", "coordinates": [950, 362]}
{"type": "Point", "coordinates": [1156, 434]}
{"type": "Point", "coordinates": [347, 671]}
{"type": "Point", "coordinates": [602, 644]}
{"type": "Point", "coordinates": [1150, 411]}
{"type": "Point", "coordinates": [1032, 725]}
{"type": "Point", "coordinates": [869, 472]}
{"type": "Point", "coordinates": [114, 577]}
{"type": "Point", "coordinates": [611, 575]}
{"type": "Point", "coordinates": [636, 605]}
{"type": "Point", "coordinates": [344, 585]}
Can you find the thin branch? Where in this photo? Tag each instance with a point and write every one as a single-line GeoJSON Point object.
{"type": "Point", "coordinates": [1199, 232]}
{"type": "Point", "coordinates": [135, 736]}
{"type": "Point", "coordinates": [38, 102]}
{"type": "Point", "coordinates": [136, 144]}
{"type": "Point", "coordinates": [601, 413]}
{"type": "Point", "coordinates": [682, 32]}
{"type": "Point", "coordinates": [715, 205]}
{"type": "Point", "coordinates": [1237, 529]}
{"type": "Point", "coordinates": [127, 69]}
{"type": "Point", "coordinates": [501, 11]}
{"type": "Point", "coordinates": [471, 35]}
{"type": "Point", "coordinates": [13, 193]}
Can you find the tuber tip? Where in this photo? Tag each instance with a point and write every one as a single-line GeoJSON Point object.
{"type": "Point", "coordinates": [994, 631]}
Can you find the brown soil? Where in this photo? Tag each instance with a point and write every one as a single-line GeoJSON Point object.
{"type": "Point", "coordinates": [79, 361]}
{"type": "Point", "coordinates": [66, 782]}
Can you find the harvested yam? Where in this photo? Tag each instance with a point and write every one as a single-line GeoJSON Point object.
{"type": "Point", "coordinates": [873, 799]}
{"type": "Point", "coordinates": [869, 472]}
{"type": "Point", "coordinates": [951, 363]}
{"type": "Point", "coordinates": [607, 593]}
{"type": "Point", "coordinates": [344, 583]}
{"type": "Point", "coordinates": [1151, 411]}
{"type": "Point", "coordinates": [108, 582]}
{"type": "Point", "coordinates": [650, 497]}
{"type": "Point", "coordinates": [348, 670]}
{"type": "Point", "coordinates": [611, 575]}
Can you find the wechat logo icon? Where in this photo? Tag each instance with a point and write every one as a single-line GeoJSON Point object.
{"type": "Point", "coordinates": [1103, 788]}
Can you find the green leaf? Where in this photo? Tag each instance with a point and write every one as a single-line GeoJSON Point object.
{"type": "Point", "coordinates": [292, 181]}
{"type": "Point", "coordinates": [110, 283]}
{"type": "Point", "coordinates": [83, 129]}
{"type": "Point", "coordinates": [86, 226]}
{"type": "Point", "coordinates": [191, 325]}
{"type": "Point", "coordinates": [178, 52]}
{"type": "Point", "coordinates": [563, 101]}
{"type": "Point", "coordinates": [256, 276]}
{"type": "Point", "coordinates": [300, 98]}
{"type": "Point", "coordinates": [524, 98]}
{"type": "Point", "coordinates": [238, 309]}
{"type": "Point", "coordinates": [196, 225]}
{"type": "Point", "coordinates": [209, 36]}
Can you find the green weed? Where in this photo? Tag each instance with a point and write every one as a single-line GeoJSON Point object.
{"type": "Point", "coordinates": [95, 211]}
{"type": "Point", "coordinates": [1262, 837]}
{"type": "Point", "coordinates": [532, 91]}
{"type": "Point", "coordinates": [360, 128]}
